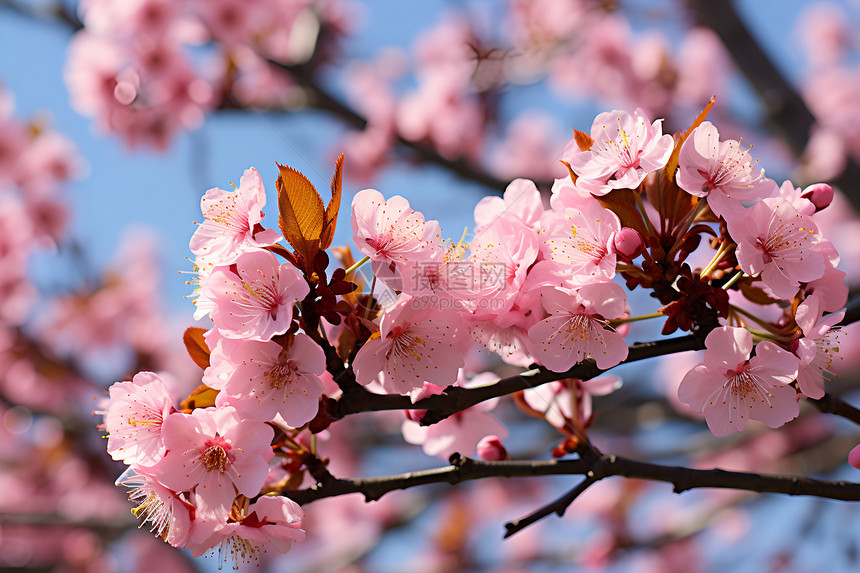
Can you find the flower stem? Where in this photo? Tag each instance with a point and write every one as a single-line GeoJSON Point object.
{"type": "Point", "coordinates": [679, 239]}
{"type": "Point", "coordinates": [618, 321]}
{"type": "Point", "coordinates": [645, 219]}
{"type": "Point", "coordinates": [356, 265]}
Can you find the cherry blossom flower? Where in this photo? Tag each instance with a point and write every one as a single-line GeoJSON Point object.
{"type": "Point", "coordinates": [213, 450]}
{"type": "Point", "coordinates": [460, 432]}
{"type": "Point", "coordinates": [266, 379]}
{"type": "Point", "coordinates": [491, 449]}
{"type": "Point", "coordinates": [231, 220]}
{"type": "Point", "coordinates": [729, 387]}
{"type": "Point", "coordinates": [417, 343]}
{"type": "Point", "coordinates": [818, 347]}
{"type": "Point", "coordinates": [562, 401]}
{"type": "Point", "coordinates": [390, 232]}
{"type": "Point", "coordinates": [775, 240]}
{"type": "Point", "coordinates": [156, 504]}
{"type": "Point", "coordinates": [582, 243]}
{"type": "Point", "coordinates": [521, 202]}
{"type": "Point", "coordinates": [626, 148]}
{"type": "Point", "coordinates": [256, 301]}
{"type": "Point", "coordinates": [271, 521]}
{"type": "Point", "coordinates": [720, 171]}
{"type": "Point", "coordinates": [134, 419]}
{"type": "Point", "coordinates": [576, 328]}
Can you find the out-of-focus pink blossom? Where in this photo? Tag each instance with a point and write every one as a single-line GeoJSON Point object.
{"type": "Point", "coordinates": [729, 387]}
{"type": "Point", "coordinates": [460, 432]}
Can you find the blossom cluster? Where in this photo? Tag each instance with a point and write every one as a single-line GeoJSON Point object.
{"type": "Point", "coordinates": [533, 284]}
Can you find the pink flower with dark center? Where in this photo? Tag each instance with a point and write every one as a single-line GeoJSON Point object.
{"type": "Point", "coordinates": [266, 379]}
{"type": "Point", "coordinates": [417, 343]}
{"type": "Point", "coordinates": [271, 521]}
{"type": "Point", "coordinates": [217, 454]}
{"type": "Point", "coordinates": [775, 240]}
{"type": "Point", "coordinates": [818, 347]}
{"type": "Point", "coordinates": [582, 242]}
{"type": "Point", "coordinates": [231, 221]}
{"type": "Point", "coordinates": [626, 148]}
{"type": "Point", "coordinates": [134, 419]}
{"type": "Point", "coordinates": [390, 232]}
{"type": "Point", "coordinates": [577, 327]}
{"type": "Point", "coordinates": [729, 387]}
{"type": "Point", "coordinates": [256, 301]}
{"type": "Point", "coordinates": [168, 514]}
{"type": "Point", "coordinates": [720, 171]}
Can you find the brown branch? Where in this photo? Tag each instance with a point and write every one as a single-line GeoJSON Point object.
{"type": "Point", "coordinates": [683, 479]}
{"type": "Point", "coordinates": [57, 12]}
{"type": "Point", "coordinates": [456, 399]}
{"type": "Point", "coordinates": [787, 113]}
{"type": "Point", "coordinates": [595, 469]}
{"type": "Point", "coordinates": [830, 404]}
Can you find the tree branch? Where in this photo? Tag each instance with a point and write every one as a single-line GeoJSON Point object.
{"type": "Point", "coordinates": [599, 467]}
{"type": "Point", "coordinates": [455, 399]}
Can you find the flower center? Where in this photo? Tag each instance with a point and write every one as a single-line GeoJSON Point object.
{"type": "Point", "coordinates": [216, 455]}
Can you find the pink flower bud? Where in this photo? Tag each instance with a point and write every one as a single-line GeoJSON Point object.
{"type": "Point", "coordinates": [819, 194]}
{"type": "Point", "coordinates": [490, 448]}
{"type": "Point", "coordinates": [853, 456]}
{"type": "Point", "coordinates": [628, 243]}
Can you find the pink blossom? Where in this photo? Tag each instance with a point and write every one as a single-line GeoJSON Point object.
{"type": "Point", "coordinates": [231, 220]}
{"type": "Point", "coordinates": [212, 450]}
{"type": "Point", "coordinates": [520, 202]}
{"type": "Point", "coordinates": [576, 328]}
{"type": "Point", "coordinates": [775, 240]}
{"type": "Point", "coordinates": [163, 508]}
{"type": "Point", "coordinates": [626, 148]}
{"type": "Point", "coordinates": [563, 401]}
{"type": "Point", "coordinates": [134, 419]}
{"type": "Point", "coordinates": [818, 347]}
{"type": "Point", "coordinates": [582, 243]}
{"type": "Point", "coordinates": [256, 301]}
{"type": "Point", "coordinates": [271, 521]}
{"type": "Point", "coordinates": [390, 232]}
{"type": "Point", "coordinates": [417, 343]}
{"type": "Point", "coordinates": [460, 432]}
{"type": "Point", "coordinates": [720, 171]}
{"type": "Point", "coordinates": [266, 379]}
{"type": "Point", "coordinates": [729, 387]}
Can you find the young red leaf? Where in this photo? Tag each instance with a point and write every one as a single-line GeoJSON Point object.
{"type": "Point", "coordinates": [333, 207]}
{"type": "Point", "coordinates": [301, 213]}
{"type": "Point", "coordinates": [196, 346]}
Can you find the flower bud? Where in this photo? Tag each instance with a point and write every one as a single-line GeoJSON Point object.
{"type": "Point", "coordinates": [490, 448]}
{"type": "Point", "coordinates": [628, 243]}
{"type": "Point", "coordinates": [819, 194]}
